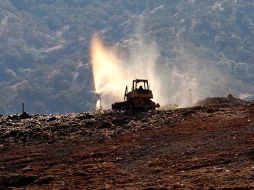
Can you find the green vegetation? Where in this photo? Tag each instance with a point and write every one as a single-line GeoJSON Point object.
{"type": "Point", "coordinates": [44, 52]}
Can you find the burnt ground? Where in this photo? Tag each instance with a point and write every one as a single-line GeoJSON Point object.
{"type": "Point", "coordinates": [205, 147]}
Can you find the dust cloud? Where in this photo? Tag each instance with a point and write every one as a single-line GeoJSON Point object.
{"type": "Point", "coordinates": [181, 81]}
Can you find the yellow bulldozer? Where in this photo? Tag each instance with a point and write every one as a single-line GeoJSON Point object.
{"type": "Point", "coordinates": [138, 99]}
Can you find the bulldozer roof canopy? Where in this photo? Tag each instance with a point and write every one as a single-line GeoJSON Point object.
{"type": "Point", "coordinates": [140, 80]}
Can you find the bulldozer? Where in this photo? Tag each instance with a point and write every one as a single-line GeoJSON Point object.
{"type": "Point", "coordinates": [138, 99]}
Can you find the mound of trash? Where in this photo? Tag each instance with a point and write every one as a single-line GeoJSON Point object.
{"type": "Point", "coordinates": [230, 100]}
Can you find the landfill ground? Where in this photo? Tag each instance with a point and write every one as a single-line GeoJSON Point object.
{"type": "Point", "coordinates": [204, 147]}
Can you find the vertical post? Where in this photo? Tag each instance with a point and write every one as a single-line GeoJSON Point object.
{"type": "Point", "coordinates": [99, 100]}
{"type": "Point", "coordinates": [23, 108]}
{"type": "Point", "coordinates": [190, 98]}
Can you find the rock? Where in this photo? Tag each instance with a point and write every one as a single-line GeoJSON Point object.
{"type": "Point", "coordinates": [44, 180]}
{"type": "Point", "coordinates": [51, 119]}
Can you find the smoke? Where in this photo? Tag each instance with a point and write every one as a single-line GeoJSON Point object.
{"type": "Point", "coordinates": [192, 76]}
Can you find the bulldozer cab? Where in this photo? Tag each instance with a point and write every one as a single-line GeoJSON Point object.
{"type": "Point", "coordinates": [140, 85]}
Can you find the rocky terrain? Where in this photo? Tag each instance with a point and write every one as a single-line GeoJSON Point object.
{"type": "Point", "coordinates": [203, 147]}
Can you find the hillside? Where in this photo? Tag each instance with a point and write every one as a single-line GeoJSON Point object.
{"type": "Point", "coordinates": [205, 147]}
{"type": "Point", "coordinates": [45, 58]}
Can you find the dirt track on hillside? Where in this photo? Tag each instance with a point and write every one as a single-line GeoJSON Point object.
{"type": "Point", "coordinates": [210, 147]}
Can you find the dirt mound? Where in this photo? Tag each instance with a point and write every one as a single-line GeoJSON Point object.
{"type": "Point", "coordinates": [190, 148]}
{"type": "Point", "coordinates": [230, 100]}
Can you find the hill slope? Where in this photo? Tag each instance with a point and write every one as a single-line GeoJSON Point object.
{"type": "Point", "coordinates": [199, 147]}
{"type": "Point", "coordinates": [45, 47]}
